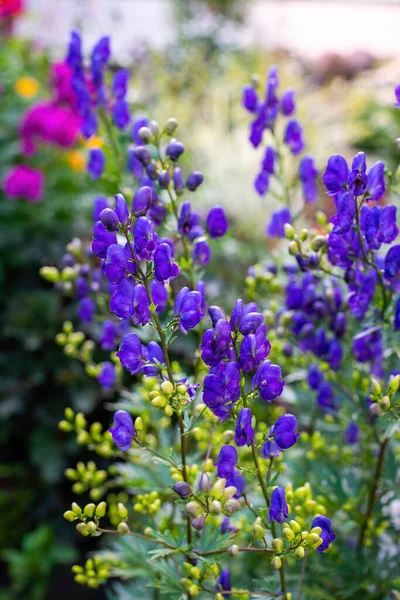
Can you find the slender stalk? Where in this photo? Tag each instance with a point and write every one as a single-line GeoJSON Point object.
{"type": "Point", "coordinates": [302, 573]}
{"type": "Point", "coordinates": [372, 493]}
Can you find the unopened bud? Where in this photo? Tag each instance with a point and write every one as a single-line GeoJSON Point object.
{"type": "Point", "coordinates": [170, 126]}
{"type": "Point", "coordinates": [276, 562]}
{"type": "Point", "coordinates": [123, 528]}
{"type": "Point", "coordinates": [317, 530]}
{"type": "Point", "coordinates": [294, 248]}
{"type": "Point", "coordinates": [231, 506]}
{"type": "Point", "coordinates": [89, 510]}
{"type": "Point", "coordinates": [92, 527]}
{"type": "Point", "coordinates": [288, 534]}
{"type": "Point", "coordinates": [375, 410]}
{"type": "Point", "coordinates": [258, 532]}
{"type": "Point", "coordinates": [299, 552]}
{"type": "Point", "coordinates": [277, 545]}
{"type": "Point", "coordinates": [228, 436]}
{"type": "Point", "coordinates": [82, 529]}
{"type": "Point", "coordinates": [294, 525]}
{"type": "Point", "coordinates": [145, 135]}
{"type": "Point", "coordinates": [289, 231]}
{"type": "Point", "coordinates": [193, 590]}
{"type": "Point", "coordinates": [49, 274]}
{"type": "Point", "coordinates": [195, 572]}
{"type": "Point", "coordinates": [122, 511]}
{"type": "Point", "coordinates": [159, 402]}
{"type": "Point", "coordinates": [233, 550]}
{"type": "Point", "coordinates": [229, 492]}
{"type": "Point", "coordinates": [318, 242]}
{"type": "Point", "coordinates": [394, 384]}
{"type": "Point", "coordinates": [199, 522]}
{"type": "Point", "coordinates": [205, 484]}
{"type": "Point", "coordinates": [76, 509]}
{"type": "Point", "coordinates": [193, 509]}
{"type": "Point", "coordinates": [375, 387]}
{"type": "Point", "coordinates": [183, 489]}
{"type": "Point", "coordinates": [384, 403]}
{"type": "Point", "coordinates": [168, 410]}
{"type": "Point", "coordinates": [215, 507]}
{"type": "Point", "coordinates": [69, 515]}
{"type": "Point", "coordinates": [313, 539]}
{"type": "Point", "coordinates": [218, 489]}
{"type": "Point", "coordinates": [167, 388]}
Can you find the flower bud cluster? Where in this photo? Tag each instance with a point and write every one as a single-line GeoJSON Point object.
{"type": "Point", "coordinates": [195, 575]}
{"type": "Point", "coordinates": [95, 571]}
{"type": "Point", "coordinates": [89, 517]}
{"type": "Point", "coordinates": [147, 504]}
{"type": "Point", "coordinates": [87, 477]}
{"type": "Point", "coordinates": [93, 437]}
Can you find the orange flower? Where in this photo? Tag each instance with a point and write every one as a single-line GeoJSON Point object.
{"type": "Point", "coordinates": [27, 87]}
{"type": "Point", "coordinates": [76, 160]}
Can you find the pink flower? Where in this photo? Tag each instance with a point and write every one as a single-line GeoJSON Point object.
{"type": "Point", "coordinates": [24, 182]}
{"type": "Point", "coordinates": [9, 8]}
{"type": "Point", "coordinates": [47, 122]}
{"type": "Point", "coordinates": [61, 79]}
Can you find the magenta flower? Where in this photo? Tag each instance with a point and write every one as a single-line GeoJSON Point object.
{"type": "Point", "coordinates": [24, 182]}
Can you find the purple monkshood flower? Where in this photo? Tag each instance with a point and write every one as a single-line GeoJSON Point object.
{"type": "Point", "coordinates": [254, 349]}
{"type": "Point", "coordinates": [140, 306]}
{"type": "Point", "coordinates": [120, 114]}
{"type": "Point", "coordinates": [268, 380]}
{"type": "Point", "coordinates": [367, 345]}
{"type": "Point", "coordinates": [116, 264]}
{"type": "Point", "coordinates": [308, 174]}
{"type": "Point", "coordinates": [86, 309]}
{"type": "Point", "coordinates": [217, 224]}
{"type": "Point", "coordinates": [102, 239]}
{"type": "Point", "coordinates": [99, 204]}
{"type": "Point", "coordinates": [155, 360]}
{"type": "Point", "coordinates": [215, 343]}
{"type": "Point", "coordinates": [351, 433]}
{"type": "Point", "coordinates": [159, 295]}
{"type": "Point", "coordinates": [261, 183]}
{"type": "Point", "coordinates": [174, 150]}
{"type": "Point", "coordinates": [107, 376]}
{"type": "Point", "coordinates": [194, 180]}
{"type": "Point", "coordinates": [121, 209]}
{"type": "Point", "coordinates": [379, 225]}
{"type": "Point", "coordinates": [288, 103]}
{"type": "Point", "coordinates": [343, 219]}
{"type": "Point", "coordinates": [120, 83]}
{"type": "Point", "coordinates": [107, 336]}
{"type": "Point", "coordinates": [268, 162]}
{"type": "Point", "coordinates": [314, 378]}
{"type": "Point", "coordinates": [201, 252]}
{"type": "Point", "coordinates": [284, 432]}
{"type": "Point", "coordinates": [131, 353]}
{"type": "Point", "coordinates": [224, 582]}
{"type": "Point", "coordinates": [278, 510]}
{"type": "Point", "coordinates": [338, 177]}
{"type": "Point", "coordinates": [96, 163]}
{"type": "Point", "coordinates": [123, 430]}
{"type": "Point", "coordinates": [145, 239]}
{"type": "Point", "coordinates": [222, 388]}
{"type": "Point", "coordinates": [325, 398]}
{"type": "Point", "coordinates": [397, 316]}
{"type": "Point", "coordinates": [142, 201]}
{"type": "Point", "coordinates": [179, 184]}
{"type": "Point", "coordinates": [239, 482]}
{"type": "Point", "coordinates": [165, 267]}
{"type": "Point", "coordinates": [279, 218]}
{"type": "Point", "coordinates": [109, 219]}
{"type": "Point", "coordinates": [249, 99]}
{"type": "Point", "coordinates": [250, 322]}
{"type": "Point", "coordinates": [244, 433]}
{"type": "Point", "coordinates": [188, 220]}
{"type": "Point", "coordinates": [270, 450]}
{"type": "Point", "coordinates": [326, 534]}
{"type": "Point", "coordinates": [226, 526]}
{"type": "Point", "coordinates": [188, 306]}
{"type": "Point", "coordinates": [226, 462]}
{"type": "Point", "coordinates": [397, 95]}
{"type": "Point", "coordinates": [392, 262]}
{"type": "Point", "coordinates": [240, 311]}
{"type": "Point", "coordinates": [293, 137]}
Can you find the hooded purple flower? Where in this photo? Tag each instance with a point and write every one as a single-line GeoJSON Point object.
{"type": "Point", "coordinates": [326, 534]}
{"type": "Point", "coordinates": [279, 218]}
{"type": "Point", "coordinates": [142, 201]}
{"type": "Point", "coordinates": [217, 224]}
{"type": "Point", "coordinates": [397, 315]}
{"type": "Point", "coordinates": [268, 380]}
{"type": "Point", "coordinates": [99, 204]}
{"type": "Point", "coordinates": [293, 137]}
{"type": "Point", "coordinates": [226, 462]}
{"type": "Point", "coordinates": [215, 343]}
{"type": "Point", "coordinates": [188, 306]}
{"type": "Point", "coordinates": [188, 220]}
{"type": "Point", "coordinates": [102, 239]}
{"type": "Point", "coordinates": [140, 306]}
{"type": "Point", "coordinates": [224, 583]}
{"type": "Point", "coordinates": [288, 103]}
{"type": "Point", "coordinates": [308, 174]}
{"type": "Point", "coordinates": [270, 450]}
{"type": "Point", "coordinates": [338, 178]}
{"type": "Point", "coordinates": [239, 482]}
{"type": "Point", "coordinates": [367, 345]}
{"type": "Point", "coordinates": [379, 225]}
{"type": "Point", "coordinates": [155, 360]}
{"type": "Point", "coordinates": [392, 262]}
{"type": "Point", "coordinates": [336, 174]}
{"type": "Point", "coordinates": [131, 353]}
{"type": "Point", "coordinates": [194, 180]}
{"type": "Point", "coordinates": [146, 240]}
{"type": "Point", "coordinates": [278, 510]}
{"type": "Point", "coordinates": [222, 388]}
{"type": "Point", "coordinates": [159, 295]}
{"type": "Point", "coordinates": [120, 83]}
{"type": "Point", "coordinates": [315, 378]}
{"type": "Point", "coordinates": [244, 434]}
{"type": "Point", "coordinates": [174, 150]}
{"type": "Point", "coordinates": [121, 209]}
{"type": "Point", "coordinates": [325, 398]}
{"type": "Point", "coordinates": [107, 336]}
{"type": "Point", "coordinates": [86, 309]}
{"type": "Point", "coordinates": [96, 163]}
{"type": "Point", "coordinates": [120, 114]}
{"type": "Point", "coordinates": [343, 219]}
{"type": "Point", "coordinates": [116, 264]}
{"type": "Point", "coordinates": [254, 349]}
{"type": "Point", "coordinates": [121, 302]}
{"type": "Point", "coordinates": [249, 99]}
{"type": "Point", "coordinates": [201, 252]}
{"type": "Point", "coordinates": [261, 183]}
{"type": "Point", "coordinates": [165, 267]}
{"type": "Point", "coordinates": [107, 376]}
{"type": "Point", "coordinates": [123, 431]}
{"type": "Point", "coordinates": [284, 432]}
{"type": "Point", "coordinates": [352, 433]}
{"type": "Point", "coordinates": [357, 180]}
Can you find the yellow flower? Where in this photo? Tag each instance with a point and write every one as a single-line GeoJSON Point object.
{"type": "Point", "coordinates": [27, 87]}
{"type": "Point", "coordinates": [93, 142]}
{"type": "Point", "coordinates": [76, 160]}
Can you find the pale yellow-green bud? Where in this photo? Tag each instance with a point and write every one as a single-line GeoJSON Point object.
{"type": "Point", "coordinates": [76, 509]}
{"type": "Point", "coordinates": [321, 218]}
{"type": "Point", "coordinates": [318, 242]}
{"type": "Point", "coordinates": [185, 583]}
{"type": "Point", "coordinates": [289, 231]}
{"type": "Point", "coordinates": [219, 596]}
{"type": "Point", "coordinates": [299, 552]}
{"type": "Point", "coordinates": [313, 539]}
{"type": "Point", "coordinates": [89, 510]}
{"type": "Point", "coordinates": [288, 534]}
{"type": "Point", "coordinates": [215, 507]}
{"type": "Point", "coordinates": [101, 509]}
{"type": "Point", "coordinates": [229, 492]}
{"type": "Point", "coordinates": [375, 387]}
{"type": "Point", "coordinates": [91, 525]}
{"type": "Point", "coordinates": [277, 545]}
{"type": "Point", "coordinates": [61, 339]}
{"type": "Point", "coordinates": [68, 274]}
{"type": "Point", "coordinates": [194, 589]}
{"type": "Point", "coordinates": [218, 489]}
{"type": "Point", "coordinates": [80, 578]}
{"type": "Point", "coordinates": [181, 388]}
{"type": "Point", "coordinates": [153, 394]}
{"type": "Point", "coordinates": [80, 421]}
{"type": "Point", "coordinates": [316, 530]}
{"type": "Point", "coordinates": [82, 529]}
{"type": "Point", "coordinates": [233, 550]}
{"type": "Point", "coordinates": [195, 572]}
{"type": "Point", "coordinates": [122, 511]}
{"type": "Point", "coordinates": [193, 509]}
{"type": "Point", "coordinates": [159, 402]}
{"type": "Point", "coordinates": [49, 274]}
{"type": "Point", "coordinates": [167, 388]}
{"type": "Point", "coordinates": [303, 235]}
{"type": "Point", "coordinates": [295, 526]}
{"type": "Point", "coordinates": [138, 424]}
{"type": "Point", "coordinates": [168, 410]}
{"type": "Point", "coordinates": [65, 426]}
{"type": "Point", "coordinates": [276, 562]}
{"type": "Point", "coordinates": [394, 384]}
{"type": "Point", "coordinates": [294, 248]}
{"type": "Point", "coordinates": [231, 506]}
{"type": "Point", "coordinates": [228, 436]}
{"type": "Point", "coordinates": [375, 410]}
{"type": "Point", "coordinates": [123, 528]}
{"type": "Point", "coordinates": [69, 515]}
{"type": "Point", "coordinates": [385, 403]}
{"type": "Point", "coordinates": [258, 532]}
{"type": "Point", "coordinates": [170, 126]}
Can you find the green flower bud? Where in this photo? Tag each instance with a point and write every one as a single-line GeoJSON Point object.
{"type": "Point", "coordinates": [375, 410]}
{"type": "Point", "coordinates": [80, 579]}
{"type": "Point", "coordinates": [69, 515]}
{"type": "Point", "coordinates": [123, 528]}
{"type": "Point", "coordinates": [49, 274]}
{"type": "Point", "coordinates": [168, 410]}
{"type": "Point", "coordinates": [159, 402]}
{"type": "Point", "coordinates": [231, 506]}
{"type": "Point", "coordinates": [385, 403]}
{"type": "Point", "coordinates": [76, 509]}
{"type": "Point", "coordinates": [77, 569]}
{"type": "Point", "coordinates": [278, 545]}
{"type": "Point", "coordinates": [294, 248]}
{"type": "Point", "coordinates": [80, 421]}
{"type": "Point", "coordinates": [218, 489]}
{"type": "Point", "coordinates": [122, 511]}
{"type": "Point", "coordinates": [89, 510]}
{"type": "Point", "coordinates": [229, 492]}
{"type": "Point", "coordinates": [61, 339]}
{"type": "Point", "coordinates": [185, 583]}
{"type": "Point", "coordinates": [318, 242]}
{"type": "Point", "coordinates": [101, 510]}
{"type": "Point", "coordinates": [145, 135]}
{"type": "Point", "coordinates": [82, 528]}
{"type": "Point", "coordinates": [155, 129]}
{"type": "Point", "coordinates": [394, 384]}
{"type": "Point", "coordinates": [276, 562]}
{"type": "Point", "coordinates": [321, 218]}
{"type": "Point", "coordinates": [288, 534]}
{"type": "Point", "coordinates": [215, 507]}
{"type": "Point", "coordinates": [69, 414]}
{"type": "Point", "coordinates": [92, 583]}
{"type": "Point", "coordinates": [375, 387]}
{"type": "Point", "coordinates": [313, 540]}
{"type": "Point", "coordinates": [295, 526]}
{"type": "Point", "coordinates": [316, 530]}
{"type": "Point", "coordinates": [228, 436]}
{"type": "Point", "coordinates": [258, 532]}
{"type": "Point", "coordinates": [68, 274]}
{"type": "Point", "coordinates": [167, 388]}
{"type": "Point", "coordinates": [91, 525]}
{"type": "Point", "coordinates": [65, 426]}
{"type": "Point", "coordinates": [195, 572]}
{"type": "Point", "coordinates": [194, 590]}
{"type": "Point", "coordinates": [303, 235]}
{"type": "Point", "coordinates": [138, 424]}
{"type": "Point", "coordinates": [218, 596]}
{"type": "Point", "coordinates": [299, 552]}
{"type": "Point", "coordinates": [289, 231]}
{"type": "Point", "coordinates": [193, 509]}
{"type": "Point", "coordinates": [170, 126]}
{"type": "Point", "coordinates": [233, 550]}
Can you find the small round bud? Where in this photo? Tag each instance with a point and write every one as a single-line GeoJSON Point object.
{"type": "Point", "coordinates": [375, 410]}
{"type": "Point", "coordinates": [155, 129]}
{"type": "Point", "coordinates": [174, 150]}
{"type": "Point", "coordinates": [80, 578]}
{"type": "Point", "coordinates": [69, 515]}
{"type": "Point", "coordinates": [138, 424]}
{"type": "Point", "coordinates": [122, 511]}
{"type": "Point", "coordinates": [183, 489]}
{"type": "Point", "coordinates": [195, 572]}
{"type": "Point", "coordinates": [294, 525]}
{"type": "Point", "coordinates": [289, 231]}
{"type": "Point", "coordinates": [276, 562]}
{"type": "Point", "coordinates": [303, 235]}
{"type": "Point", "coordinates": [193, 590]}
{"type": "Point", "coordinates": [109, 219]}
{"type": "Point", "coordinates": [385, 403]}
{"type": "Point", "coordinates": [164, 179]}
{"type": "Point", "coordinates": [145, 135]}
{"type": "Point", "coordinates": [65, 426]}
{"type": "Point", "coordinates": [375, 387]}
{"type": "Point", "coordinates": [181, 388]}
{"type": "Point", "coordinates": [218, 596]}
{"type": "Point", "coordinates": [228, 436]}
{"type": "Point", "coordinates": [199, 522]}
{"type": "Point", "coordinates": [193, 509]}
{"type": "Point", "coordinates": [168, 410]}
{"type": "Point", "coordinates": [294, 248]}
{"type": "Point", "coordinates": [229, 492]}
{"type": "Point", "coordinates": [170, 126]}
{"type": "Point", "coordinates": [258, 532]}
{"type": "Point", "coordinates": [91, 526]}
{"type": "Point", "coordinates": [76, 509]}
{"type": "Point", "coordinates": [142, 155]}
{"type": "Point", "coordinates": [50, 274]}
{"type": "Point", "coordinates": [277, 545]}
{"type": "Point", "coordinates": [205, 484]}
{"type": "Point", "coordinates": [299, 552]}
{"type": "Point", "coordinates": [101, 509]}
{"type": "Point", "coordinates": [215, 507]}
{"type": "Point", "coordinates": [313, 540]}
{"type": "Point", "coordinates": [123, 528]}
{"type": "Point", "coordinates": [231, 506]}
{"type": "Point", "coordinates": [233, 550]}
{"type": "Point", "coordinates": [167, 388]}
{"type": "Point", "coordinates": [89, 510]}
{"type": "Point", "coordinates": [218, 489]}
{"type": "Point", "coordinates": [82, 529]}
{"type": "Point", "coordinates": [159, 402]}
{"type": "Point", "coordinates": [316, 530]}
{"type": "Point", "coordinates": [318, 242]}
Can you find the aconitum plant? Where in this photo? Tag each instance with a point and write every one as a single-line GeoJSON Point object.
{"type": "Point", "coordinates": [252, 449]}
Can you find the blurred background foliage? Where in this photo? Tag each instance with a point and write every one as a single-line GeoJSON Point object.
{"type": "Point", "coordinates": [198, 80]}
